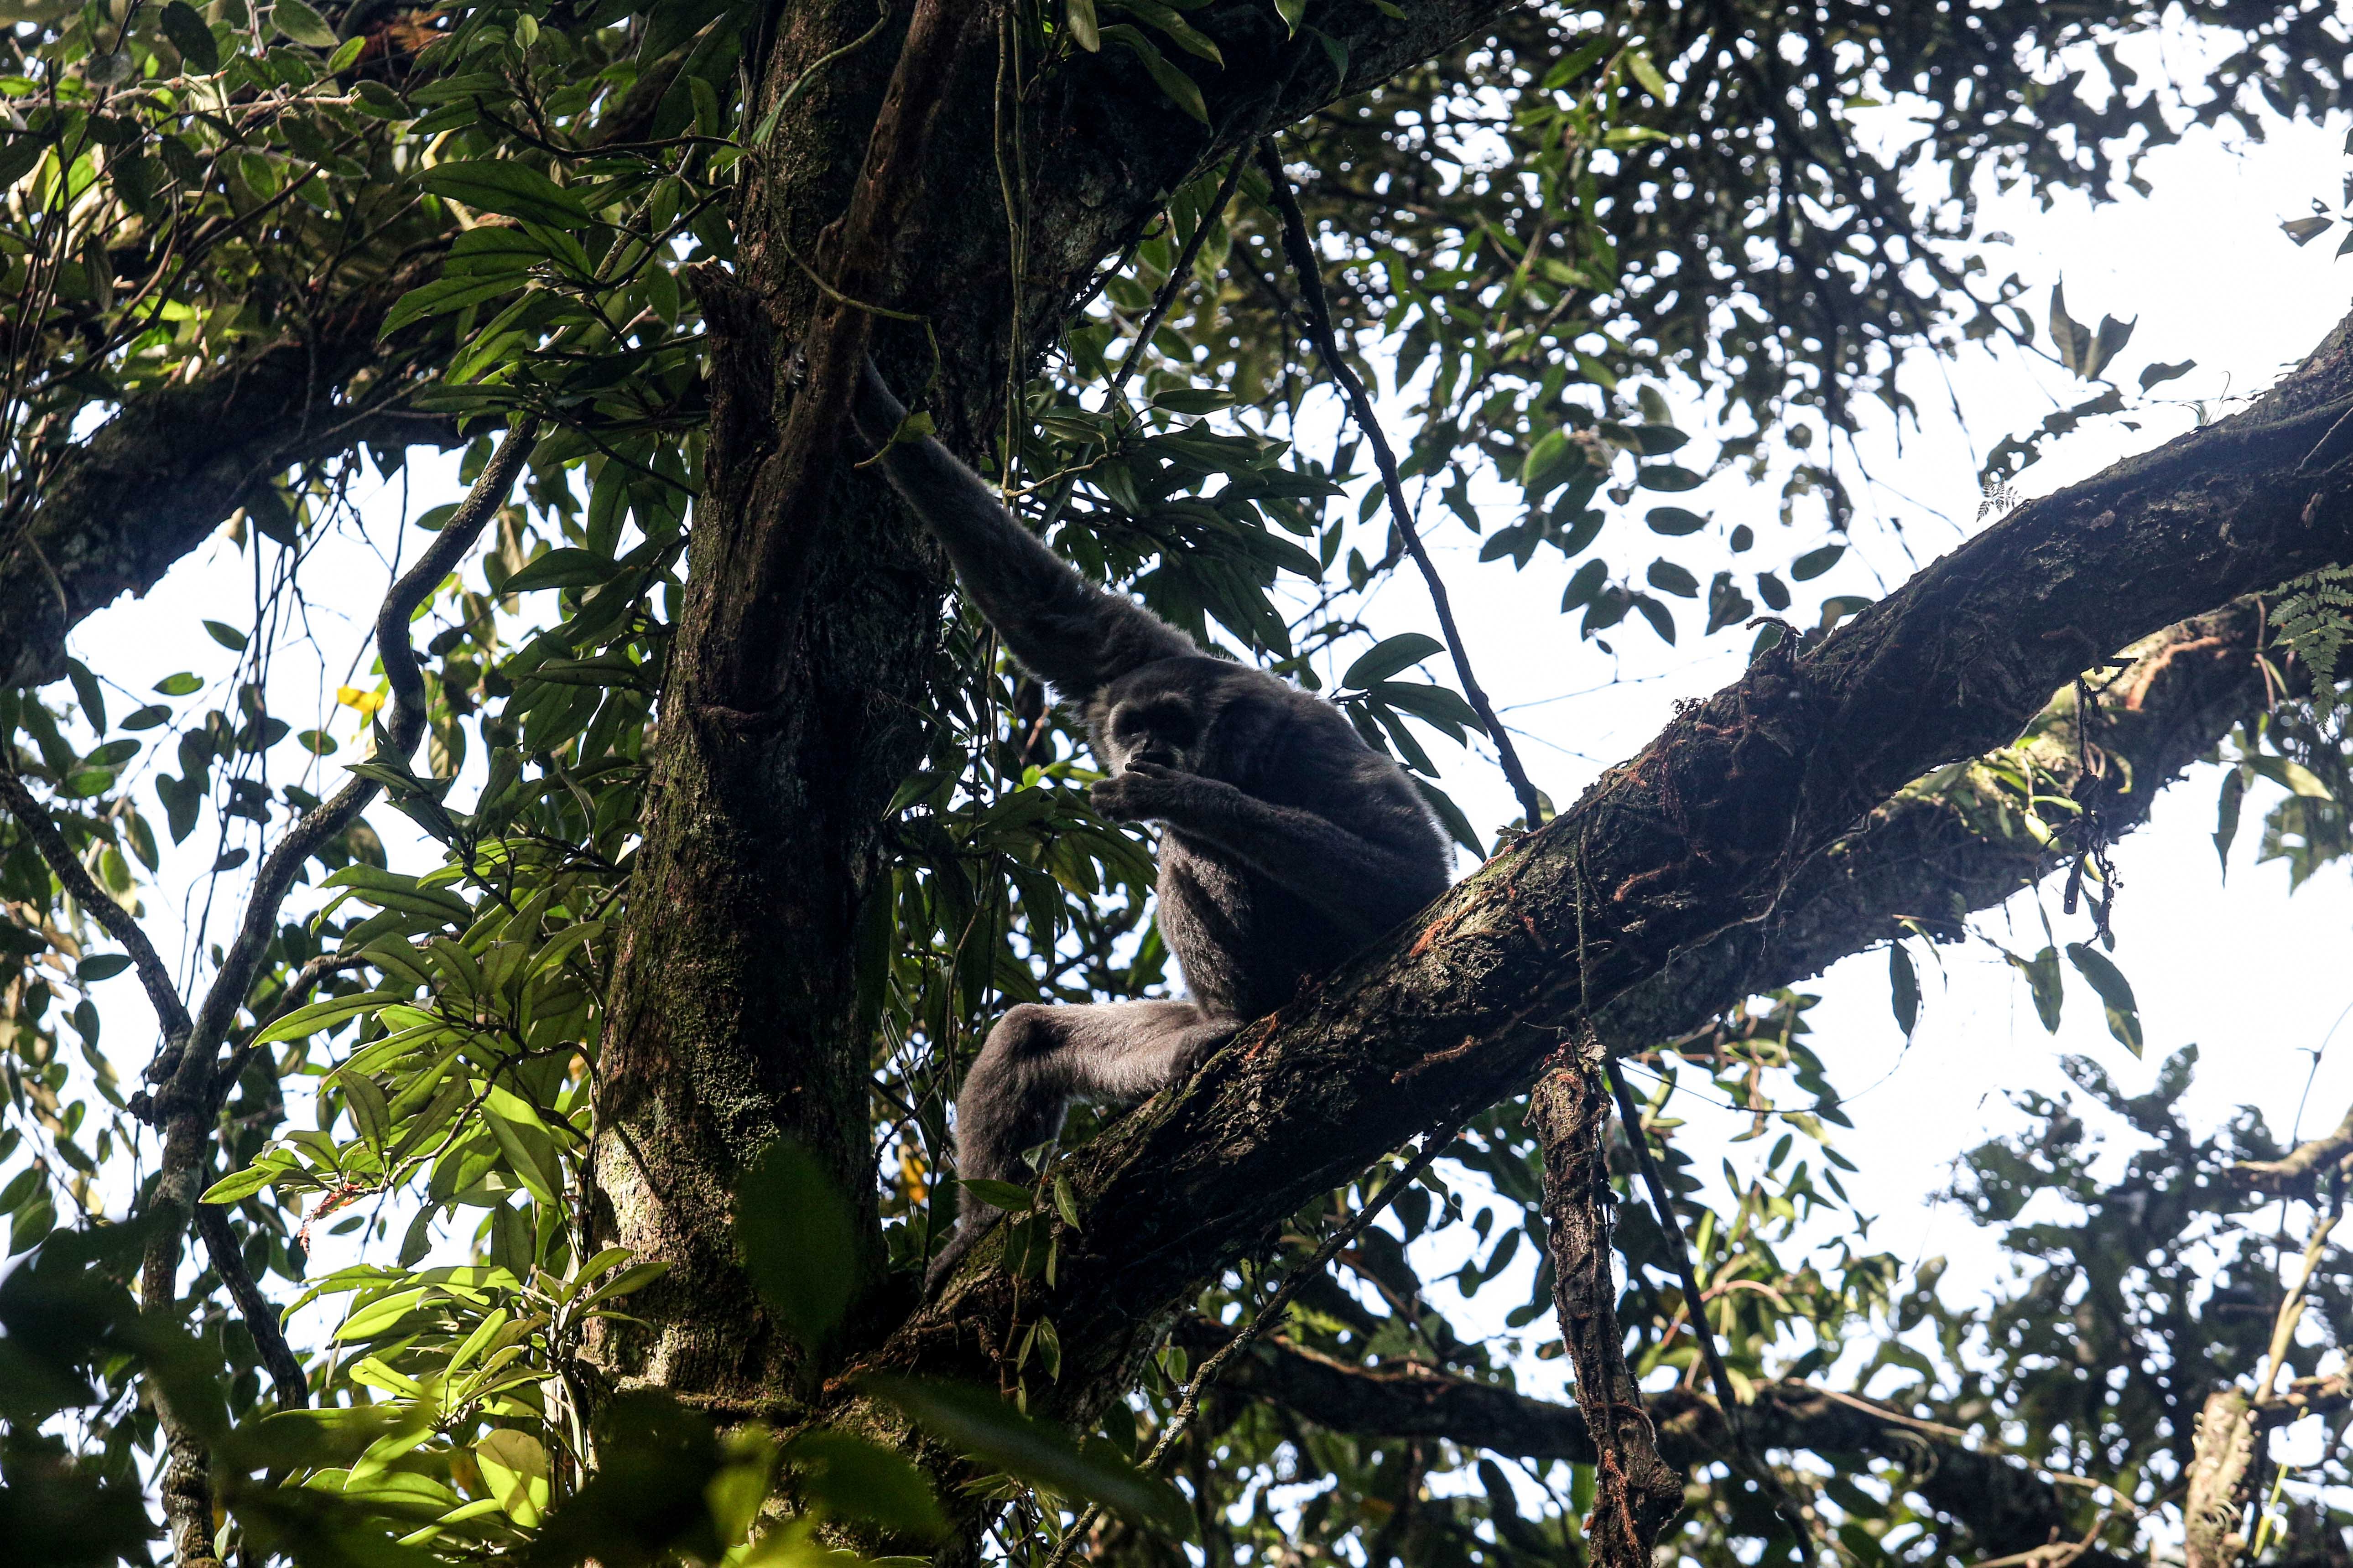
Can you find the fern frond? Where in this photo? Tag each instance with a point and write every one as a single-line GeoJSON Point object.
{"type": "Point", "coordinates": [2315, 617]}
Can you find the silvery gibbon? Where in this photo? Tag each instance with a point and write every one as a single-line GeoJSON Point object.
{"type": "Point", "coordinates": [1286, 843]}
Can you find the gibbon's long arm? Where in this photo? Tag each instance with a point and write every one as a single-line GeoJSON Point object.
{"type": "Point", "coordinates": [1361, 887]}
{"type": "Point", "coordinates": [1063, 629]}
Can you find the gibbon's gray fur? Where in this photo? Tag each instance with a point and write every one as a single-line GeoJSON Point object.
{"type": "Point", "coordinates": [1286, 843]}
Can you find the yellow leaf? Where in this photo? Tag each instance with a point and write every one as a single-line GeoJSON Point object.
{"type": "Point", "coordinates": [366, 702]}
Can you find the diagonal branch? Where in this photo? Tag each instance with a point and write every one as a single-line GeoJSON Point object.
{"type": "Point", "coordinates": [276, 878]}
{"type": "Point", "coordinates": [2298, 1171]}
{"type": "Point", "coordinates": [170, 1013]}
{"type": "Point", "coordinates": [182, 1106]}
{"type": "Point", "coordinates": [153, 482]}
{"type": "Point", "coordinates": [2004, 1504]}
{"type": "Point", "coordinates": [1705, 831]}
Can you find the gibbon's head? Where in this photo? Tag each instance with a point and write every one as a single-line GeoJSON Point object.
{"type": "Point", "coordinates": [1200, 715]}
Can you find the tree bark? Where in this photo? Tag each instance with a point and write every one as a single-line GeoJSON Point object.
{"type": "Point", "coordinates": [2222, 1470]}
{"type": "Point", "coordinates": [2005, 1506]}
{"type": "Point", "coordinates": [1952, 843]}
{"type": "Point", "coordinates": [1703, 832]}
{"type": "Point", "coordinates": [1634, 1493]}
{"type": "Point", "coordinates": [152, 483]}
{"type": "Point", "coordinates": [802, 667]}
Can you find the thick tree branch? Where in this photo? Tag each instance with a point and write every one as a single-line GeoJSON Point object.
{"type": "Point", "coordinates": [1704, 832]}
{"type": "Point", "coordinates": [2005, 1505]}
{"type": "Point", "coordinates": [152, 482]}
{"type": "Point", "coordinates": [1953, 842]}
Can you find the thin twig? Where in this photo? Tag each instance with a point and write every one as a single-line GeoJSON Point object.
{"type": "Point", "coordinates": [1178, 272]}
{"type": "Point", "coordinates": [291, 997]}
{"type": "Point", "coordinates": [75, 877]}
{"type": "Point", "coordinates": [1434, 1144]}
{"type": "Point", "coordinates": [2291, 1311]}
{"type": "Point", "coordinates": [2058, 1554]}
{"type": "Point", "coordinates": [1304, 263]}
{"type": "Point", "coordinates": [275, 878]}
{"type": "Point", "coordinates": [1630, 1116]}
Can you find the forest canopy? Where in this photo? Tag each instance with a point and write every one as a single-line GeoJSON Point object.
{"type": "Point", "coordinates": [585, 974]}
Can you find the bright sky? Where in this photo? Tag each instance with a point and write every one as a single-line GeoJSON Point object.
{"type": "Point", "coordinates": [2255, 979]}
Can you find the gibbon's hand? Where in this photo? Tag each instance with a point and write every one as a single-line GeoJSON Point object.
{"type": "Point", "coordinates": [1146, 792]}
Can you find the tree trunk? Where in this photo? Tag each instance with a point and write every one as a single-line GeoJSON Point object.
{"type": "Point", "coordinates": [795, 695]}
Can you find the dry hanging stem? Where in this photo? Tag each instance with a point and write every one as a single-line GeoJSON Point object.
{"type": "Point", "coordinates": [1301, 253]}
{"type": "Point", "coordinates": [1635, 1492]}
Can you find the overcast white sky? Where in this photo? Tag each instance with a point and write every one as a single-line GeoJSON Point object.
{"type": "Point", "coordinates": [2254, 978]}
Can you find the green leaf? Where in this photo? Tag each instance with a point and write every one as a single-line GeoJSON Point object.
{"type": "Point", "coordinates": [979, 1424]}
{"type": "Point", "coordinates": [179, 685]}
{"type": "Point", "coordinates": [1003, 1195]}
{"type": "Point", "coordinates": [2151, 374]}
{"type": "Point", "coordinates": [515, 1468]}
{"type": "Point", "coordinates": [302, 25]}
{"type": "Point", "coordinates": [324, 1015]}
{"type": "Point", "coordinates": [381, 101]}
{"type": "Point", "coordinates": [101, 967]}
{"type": "Point", "coordinates": [799, 1240]}
{"type": "Point", "coordinates": [1669, 478]}
{"type": "Point", "coordinates": [1647, 74]}
{"type": "Point", "coordinates": [1551, 462]}
{"type": "Point", "coordinates": [2226, 814]}
{"type": "Point", "coordinates": [568, 566]}
{"type": "Point", "coordinates": [1813, 563]}
{"type": "Point", "coordinates": [508, 188]}
{"type": "Point", "coordinates": [229, 637]}
{"type": "Point", "coordinates": [1585, 582]}
{"type": "Point", "coordinates": [2116, 993]}
{"type": "Point", "coordinates": [442, 295]}
{"type": "Point", "coordinates": [1182, 91]}
{"type": "Point", "coordinates": [1669, 578]}
{"type": "Point", "coordinates": [1903, 988]}
{"type": "Point", "coordinates": [1084, 31]}
{"type": "Point", "coordinates": [2106, 343]}
{"type": "Point", "coordinates": [242, 1184]}
{"type": "Point", "coordinates": [2069, 336]}
{"type": "Point", "coordinates": [1186, 36]}
{"type": "Point", "coordinates": [370, 1112]}
{"type": "Point", "coordinates": [1673, 521]}
{"type": "Point", "coordinates": [849, 1476]}
{"type": "Point", "coordinates": [1438, 704]}
{"type": "Point", "coordinates": [1389, 656]}
{"type": "Point", "coordinates": [2041, 974]}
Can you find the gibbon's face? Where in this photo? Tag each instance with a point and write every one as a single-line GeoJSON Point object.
{"type": "Point", "coordinates": [1162, 727]}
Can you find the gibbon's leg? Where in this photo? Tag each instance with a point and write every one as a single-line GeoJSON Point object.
{"type": "Point", "coordinates": [1037, 1060]}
